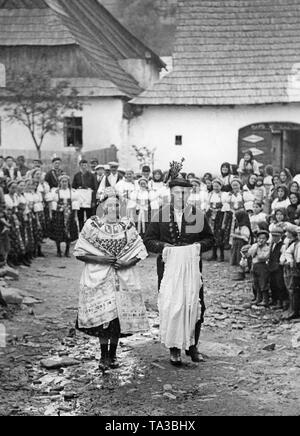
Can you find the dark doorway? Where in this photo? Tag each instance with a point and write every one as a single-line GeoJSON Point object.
{"type": "Point", "coordinates": [277, 144]}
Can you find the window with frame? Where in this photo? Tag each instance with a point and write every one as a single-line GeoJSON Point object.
{"type": "Point", "coordinates": [73, 132]}
{"type": "Point", "coordinates": [178, 140]}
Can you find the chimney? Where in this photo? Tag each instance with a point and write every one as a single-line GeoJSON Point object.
{"type": "Point", "coordinates": [2, 76]}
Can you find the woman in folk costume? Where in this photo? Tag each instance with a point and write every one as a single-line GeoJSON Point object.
{"type": "Point", "coordinates": [282, 201]}
{"type": "Point", "coordinates": [142, 198]}
{"type": "Point", "coordinates": [226, 177]}
{"type": "Point", "coordinates": [198, 197]}
{"type": "Point", "coordinates": [63, 227]}
{"type": "Point", "coordinates": [17, 248]}
{"type": "Point", "coordinates": [43, 189]}
{"type": "Point", "coordinates": [159, 193]}
{"type": "Point", "coordinates": [110, 298]}
{"type": "Point", "coordinates": [23, 219]}
{"type": "Point", "coordinates": [39, 223]}
{"type": "Point", "coordinates": [30, 218]}
{"type": "Point", "coordinates": [217, 206]}
{"type": "Point", "coordinates": [248, 166]}
{"type": "Point", "coordinates": [179, 234]}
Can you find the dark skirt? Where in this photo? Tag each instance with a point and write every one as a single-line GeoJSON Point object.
{"type": "Point", "coordinates": [221, 226]}
{"type": "Point", "coordinates": [113, 331]}
{"type": "Point", "coordinates": [17, 247]}
{"type": "Point", "coordinates": [4, 242]}
{"type": "Point", "coordinates": [236, 256]}
{"type": "Point", "coordinates": [47, 221]}
{"type": "Point", "coordinates": [37, 223]}
{"type": "Point", "coordinates": [60, 231]}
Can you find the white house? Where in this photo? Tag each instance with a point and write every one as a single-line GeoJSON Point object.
{"type": "Point", "coordinates": [235, 86]}
{"type": "Point", "coordinates": [81, 42]}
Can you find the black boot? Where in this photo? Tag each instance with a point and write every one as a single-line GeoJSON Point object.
{"type": "Point", "coordinates": [259, 298]}
{"type": "Point", "coordinates": [67, 252]}
{"type": "Point", "coordinates": [25, 262]}
{"type": "Point", "coordinates": [175, 357]}
{"type": "Point", "coordinates": [58, 249]}
{"type": "Point", "coordinates": [214, 256]}
{"type": "Point", "coordinates": [265, 302]}
{"type": "Point", "coordinates": [39, 252]}
{"type": "Point", "coordinates": [193, 352]}
{"type": "Point", "coordinates": [114, 364]}
{"type": "Point", "coordinates": [222, 255]}
{"type": "Point", "coordinates": [104, 360]}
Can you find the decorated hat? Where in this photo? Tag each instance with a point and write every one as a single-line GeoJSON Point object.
{"type": "Point", "coordinates": [175, 177]}
{"type": "Point", "coordinates": [113, 164]}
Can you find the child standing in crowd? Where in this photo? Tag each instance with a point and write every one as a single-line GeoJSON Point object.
{"type": "Point", "coordinates": [287, 260]}
{"type": "Point", "coordinates": [280, 220]}
{"type": "Point", "coordinates": [277, 285]}
{"type": "Point", "coordinates": [260, 192]}
{"type": "Point", "coordinates": [260, 253]}
{"type": "Point", "coordinates": [240, 237]}
{"type": "Point", "coordinates": [297, 277]}
{"type": "Point", "coordinates": [257, 217]}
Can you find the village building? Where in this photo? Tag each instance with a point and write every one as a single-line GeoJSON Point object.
{"type": "Point", "coordinates": [235, 86]}
{"type": "Point", "coordinates": [82, 43]}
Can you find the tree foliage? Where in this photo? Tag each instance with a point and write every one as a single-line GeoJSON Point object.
{"type": "Point", "coordinates": [40, 103]}
{"type": "Point", "coordinates": [144, 155]}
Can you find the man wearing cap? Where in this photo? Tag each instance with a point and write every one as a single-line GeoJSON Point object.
{"type": "Point", "coordinates": [111, 180]}
{"type": "Point", "coordinates": [277, 286]}
{"type": "Point", "coordinates": [52, 177]}
{"type": "Point", "coordinates": [84, 180]}
{"type": "Point", "coordinates": [100, 172]}
{"type": "Point", "coordinates": [93, 164]}
{"type": "Point", "coordinates": [21, 166]}
{"type": "Point", "coordinates": [179, 226]}
{"type": "Point", "coordinates": [146, 172]}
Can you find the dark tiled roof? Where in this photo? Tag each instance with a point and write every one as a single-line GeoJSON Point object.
{"type": "Point", "coordinates": [103, 41]}
{"type": "Point", "coordinates": [233, 52]}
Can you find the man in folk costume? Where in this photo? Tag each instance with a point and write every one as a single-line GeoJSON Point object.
{"type": "Point", "coordinates": [179, 233]}
{"type": "Point", "coordinates": [52, 177]}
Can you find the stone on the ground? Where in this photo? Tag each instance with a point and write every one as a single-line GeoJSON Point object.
{"type": "Point", "coordinates": [6, 271]}
{"type": "Point", "coordinates": [270, 347]}
{"type": "Point", "coordinates": [12, 296]}
{"type": "Point", "coordinates": [296, 340]}
{"type": "Point", "coordinates": [30, 301]}
{"type": "Point", "coordinates": [59, 363]}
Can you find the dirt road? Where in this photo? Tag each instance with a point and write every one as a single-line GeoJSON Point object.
{"type": "Point", "coordinates": [238, 376]}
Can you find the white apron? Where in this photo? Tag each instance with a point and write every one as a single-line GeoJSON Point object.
{"type": "Point", "coordinates": [179, 305]}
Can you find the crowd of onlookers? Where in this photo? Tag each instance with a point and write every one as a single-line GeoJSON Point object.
{"type": "Point", "coordinates": [253, 211]}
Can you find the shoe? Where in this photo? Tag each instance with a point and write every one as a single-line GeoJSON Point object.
{"type": "Point", "coordinates": [114, 363]}
{"type": "Point", "coordinates": [194, 354]}
{"type": "Point", "coordinates": [59, 254]}
{"type": "Point", "coordinates": [104, 364]}
{"type": "Point", "coordinates": [175, 358]}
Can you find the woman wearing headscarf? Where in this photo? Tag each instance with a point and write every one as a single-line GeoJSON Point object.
{"type": "Point", "coordinates": [293, 210]}
{"type": "Point", "coordinates": [110, 298]}
{"type": "Point", "coordinates": [248, 165]}
{"type": "Point", "coordinates": [286, 177]}
{"type": "Point", "coordinates": [63, 226]}
{"type": "Point", "coordinates": [217, 204]}
{"type": "Point", "coordinates": [282, 201]}
{"type": "Point", "coordinates": [226, 177]}
{"type": "Point", "coordinates": [249, 192]}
